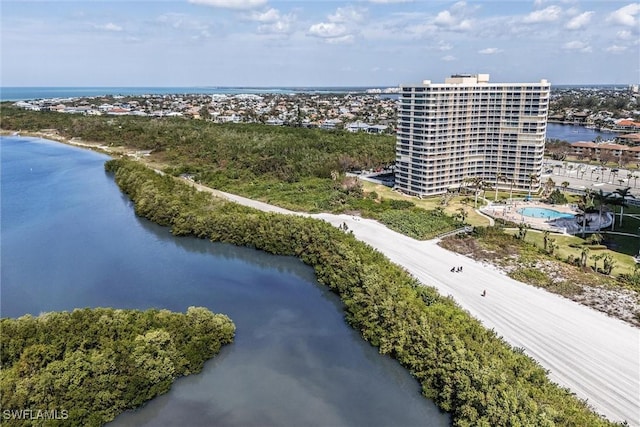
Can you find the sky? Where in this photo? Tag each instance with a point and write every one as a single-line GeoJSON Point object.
{"type": "Point", "coordinates": [315, 42]}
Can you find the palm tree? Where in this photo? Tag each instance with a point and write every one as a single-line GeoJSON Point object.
{"type": "Point", "coordinates": [635, 179]}
{"type": "Point", "coordinates": [512, 181]}
{"type": "Point", "coordinates": [478, 183]}
{"type": "Point", "coordinates": [533, 178]}
{"type": "Point", "coordinates": [601, 198]}
{"type": "Point", "coordinates": [545, 240]}
{"type": "Point", "coordinates": [584, 254]}
{"type": "Point", "coordinates": [622, 194]}
{"type": "Point", "coordinates": [565, 185]}
{"type": "Point", "coordinates": [549, 186]}
{"type": "Point", "coordinates": [462, 214]}
{"type": "Point", "coordinates": [499, 177]}
{"type": "Point", "coordinates": [584, 204]}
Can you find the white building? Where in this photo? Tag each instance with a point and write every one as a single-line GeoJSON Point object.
{"type": "Point", "coordinates": [466, 128]}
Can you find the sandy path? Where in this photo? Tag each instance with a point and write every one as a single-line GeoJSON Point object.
{"type": "Point", "coordinates": [596, 356]}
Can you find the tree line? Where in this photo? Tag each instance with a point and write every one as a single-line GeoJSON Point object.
{"type": "Point", "coordinates": [464, 368]}
{"type": "Point", "coordinates": [90, 365]}
{"type": "Point", "coordinates": [298, 169]}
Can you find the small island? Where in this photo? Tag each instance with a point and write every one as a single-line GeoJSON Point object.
{"type": "Point", "coordinates": [83, 368]}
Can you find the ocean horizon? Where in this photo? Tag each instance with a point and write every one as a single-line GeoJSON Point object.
{"type": "Point", "coordinates": [24, 93]}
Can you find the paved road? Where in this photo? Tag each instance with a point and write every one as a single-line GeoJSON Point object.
{"type": "Point", "coordinates": [581, 176]}
{"type": "Point", "coordinates": [595, 356]}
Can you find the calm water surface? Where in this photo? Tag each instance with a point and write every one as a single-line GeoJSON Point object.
{"type": "Point", "coordinates": [573, 133]}
{"type": "Point", "coordinates": [70, 239]}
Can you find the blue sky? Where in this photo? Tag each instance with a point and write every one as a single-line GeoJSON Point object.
{"type": "Point", "coordinates": [315, 43]}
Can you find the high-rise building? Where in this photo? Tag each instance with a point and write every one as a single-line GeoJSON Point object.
{"type": "Point", "coordinates": [451, 133]}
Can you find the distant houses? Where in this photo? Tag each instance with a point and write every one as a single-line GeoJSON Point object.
{"type": "Point", "coordinates": [365, 127]}
{"type": "Point", "coordinates": [597, 151]}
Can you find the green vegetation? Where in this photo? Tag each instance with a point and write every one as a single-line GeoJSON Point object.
{"type": "Point", "coordinates": [295, 168]}
{"type": "Point", "coordinates": [465, 368]}
{"type": "Point", "coordinates": [418, 223]}
{"type": "Point", "coordinates": [96, 363]}
{"type": "Point", "coordinates": [560, 264]}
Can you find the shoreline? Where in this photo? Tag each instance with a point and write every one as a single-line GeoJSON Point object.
{"type": "Point", "coordinates": [592, 354]}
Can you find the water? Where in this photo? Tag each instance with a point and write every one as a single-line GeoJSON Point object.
{"type": "Point", "coordinates": [27, 93]}
{"type": "Point", "coordinates": [543, 213]}
{"type": "Point", "coordinates": [71, 239]}
{"type": "Point", "coordinates": [573, 133]}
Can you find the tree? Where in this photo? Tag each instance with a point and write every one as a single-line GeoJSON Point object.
{"type": "Point", "coordinates": [545, 240]}
{"type": "Point", "coordinates": [601, 199]}
{"type": "Point", "coordinates": [565, 185]}
{"type": "Point", "coordinates": [512, 181]}
{"type": "Point", "coordinates": [620, 195]}
{"type": "Point", "coordinates": [595, 239]}
{"type": "Point", "coordinates": [522, 231]}
{"type": "Point", "coordinates": [462, 214]}
{"type": "Point", "coordinates": [533, 178]}
{"type": "Point", "coordinates": [596, 258]}
{"type": "Point", "coordinates": [584, 205]}
{"type": "Point", "coordinates": [608, 264]}
{"type": "Point", "coordinates": [477, 184]}
{"type": "Point", "coordinates": [549, 186]}
{"type": "Point", "coordinates": [502, 178]}
{"type": "Point", "coordinates": [204, 113]}
{"type": "Point", "coordinates": [584, 254]}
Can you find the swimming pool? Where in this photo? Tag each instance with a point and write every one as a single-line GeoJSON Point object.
{"type": "Point", "coordinates": [544, 213]}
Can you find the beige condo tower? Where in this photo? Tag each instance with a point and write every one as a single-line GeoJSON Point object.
{"type": "Point", "coordinates": [470, 128]}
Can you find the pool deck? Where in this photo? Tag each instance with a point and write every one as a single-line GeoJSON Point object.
{"type": "Point", "coordinates": [510, 212]}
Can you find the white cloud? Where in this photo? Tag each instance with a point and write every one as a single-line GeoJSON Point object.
{"type": "Point", "coordinates": [340, 27]}
{"type": "Point", "coordinates": [625, 15]}
{"type": "Point", "coordinates": [108, 27]}
{"type": "Point", "coordinates": [347, 38]}
{"type": "Point", "coordinates": [231, 4]}
{"type": "Point", "coordinates": [270, 15]}
{"type": "Point", "coordinates": [279, 27]}
{"type": "Point", "coordinates": [580, 21]}
{"type": "Point", "coordinates": [616, 49]}
{"type": "Point", "coordinates": [180, 21]}
{"type": "Point", "coordinates": [390, 1]}
{"type": "Point", "coordinates": [445, 18]}
{"type": "Point", "coordinates": [548, 14]}
{"type": "Point", "coordinates": [327, 30]}
{"type": "Point", "coordinates": [577, 45]}
{"type": "Point", "coordinates": [444, 46]}
{"type": "Point", "coordinates": [449, 58]}
{"type": "Point", "coordinates": [456, 18]}
{"type": "Point", "coordinates": [624, 35]}
{"type": "Point", "coordinates": [347, 15]}
{"type": "Point", "coordinates": [272, 22]}
{"type": "Point", "coordinates": [489, 51]}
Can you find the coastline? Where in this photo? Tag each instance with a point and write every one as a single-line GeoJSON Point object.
{"type": "Point", "coordinates": [549, 328]}
{"type": "Point", "coordinates": [53, 135]}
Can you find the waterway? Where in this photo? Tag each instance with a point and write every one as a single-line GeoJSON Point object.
{"type": "Point", "coordinates": [573, 133]}
{"type": "Point", "coordinates": [70, 239]}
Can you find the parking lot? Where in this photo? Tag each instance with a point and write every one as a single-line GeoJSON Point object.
{"type": "Point", "coordinates": [581, 176]}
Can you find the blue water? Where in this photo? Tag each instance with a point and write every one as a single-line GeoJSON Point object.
{"type": "Point", "coordinates": [573, 133]}
{"type": "Point", "coordinates": [70, 239]}
{"type": "Point", "coordinates": [26, 93]}
{"type": "Point", "coordinates": [543, 213]}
